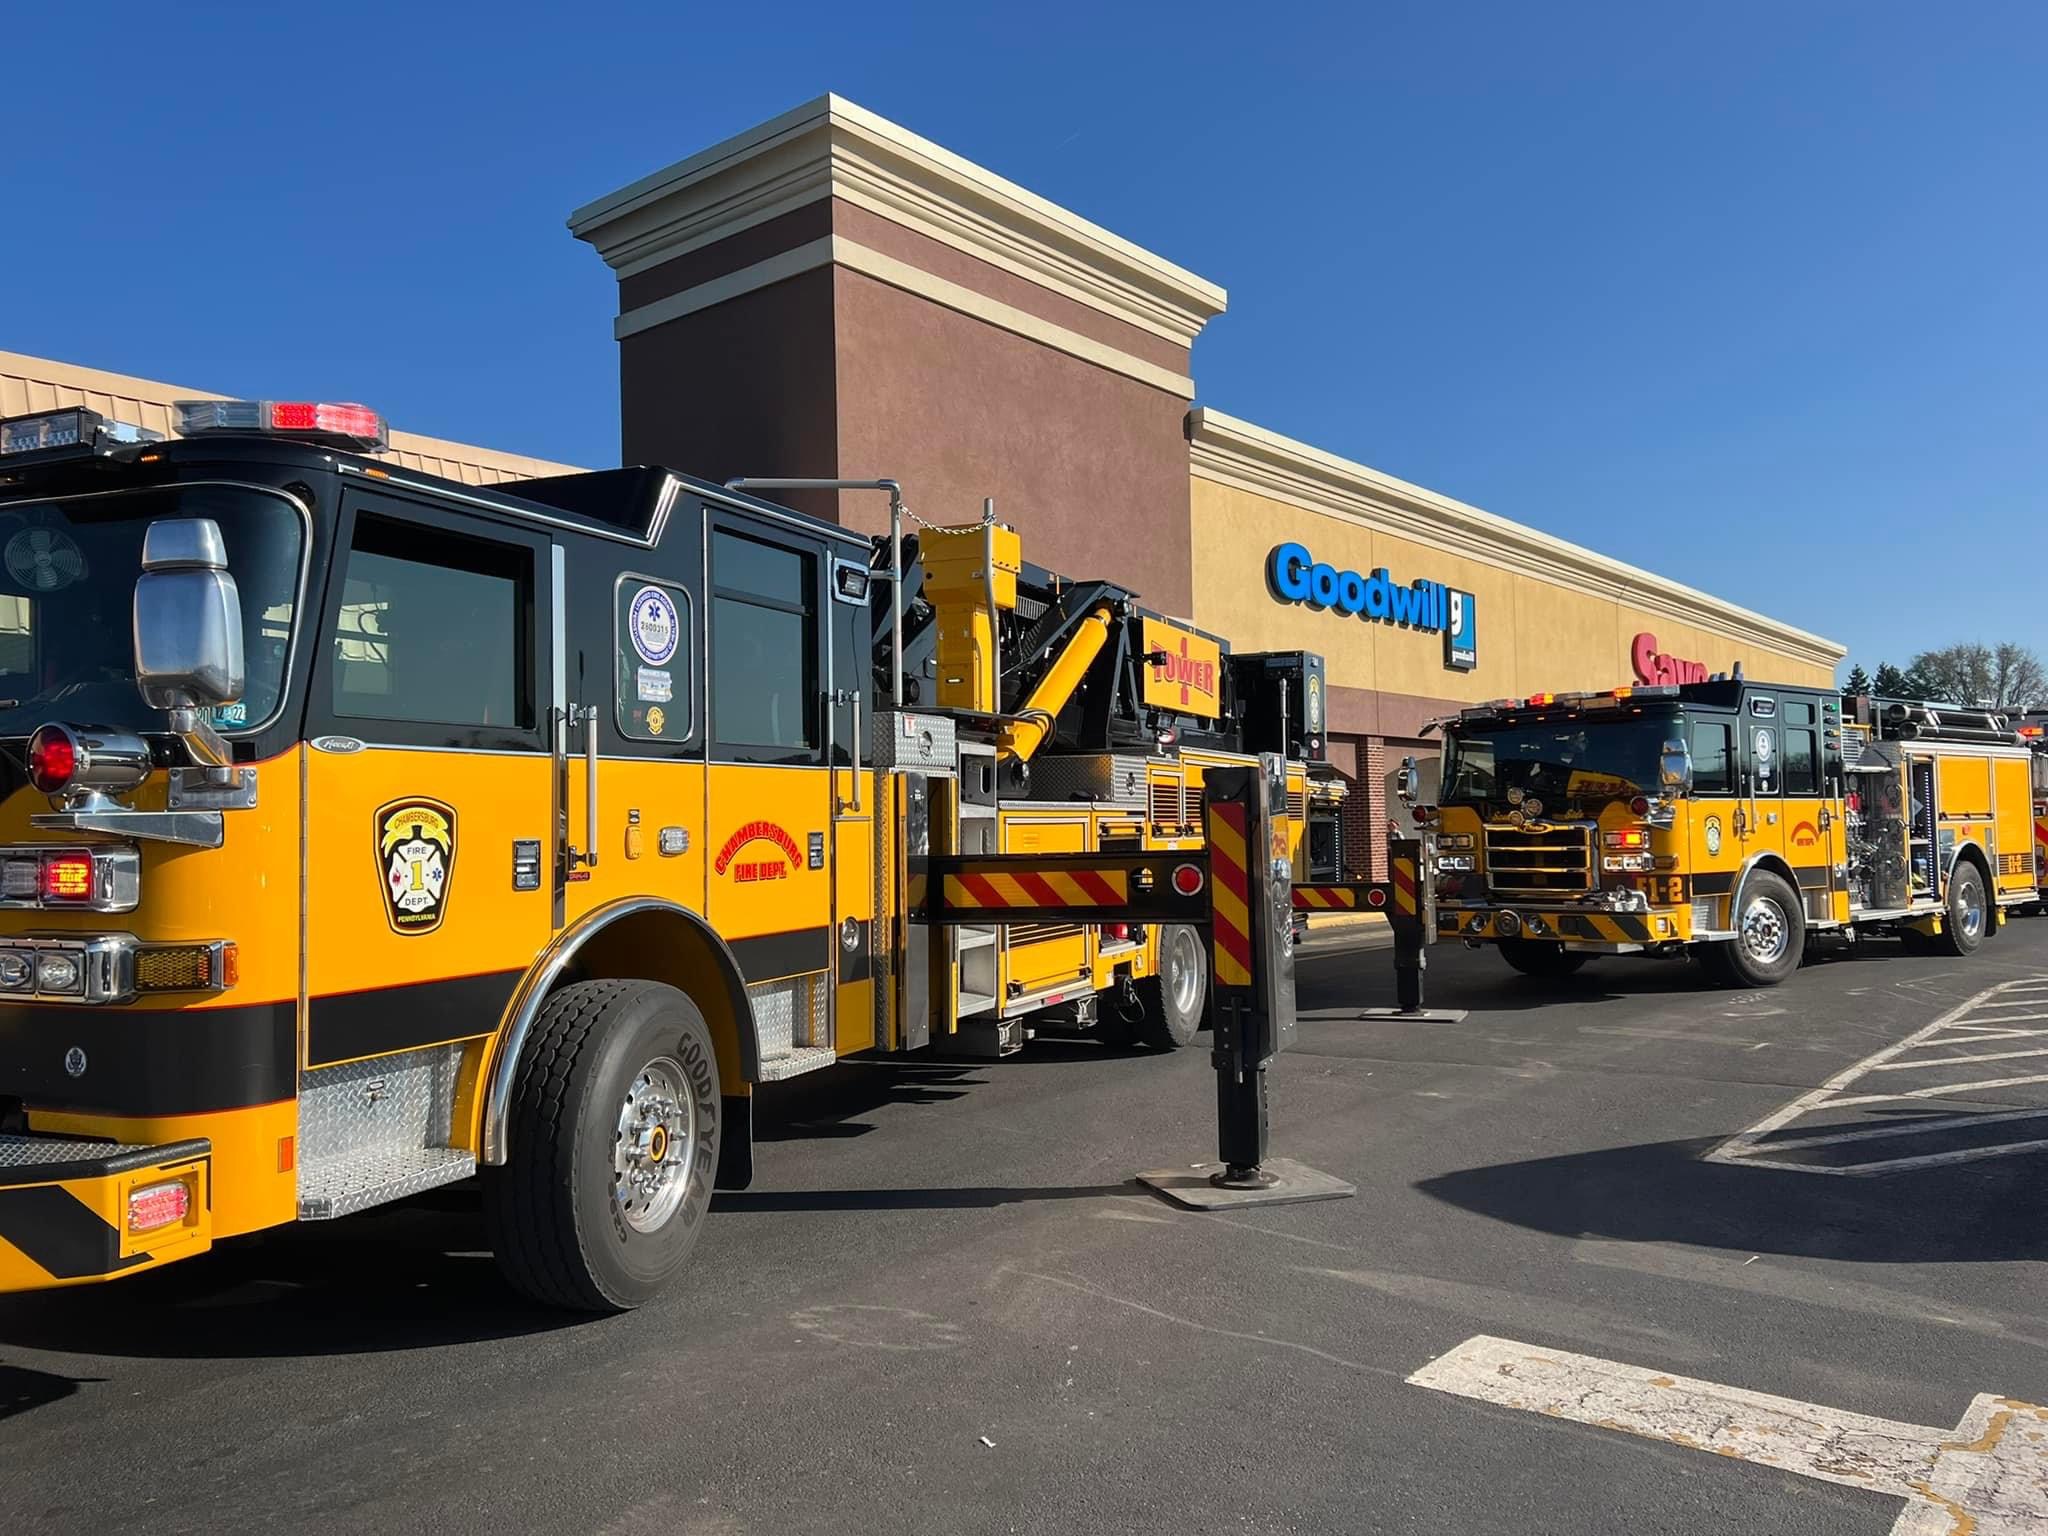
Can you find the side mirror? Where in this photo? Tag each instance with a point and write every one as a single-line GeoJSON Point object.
{"type": "Point", "coordinates": [1674, 768]}
{"type": "Point", "coordinates": [188, 617]}
{"type": "Point", "coordinates": [1408, 782]}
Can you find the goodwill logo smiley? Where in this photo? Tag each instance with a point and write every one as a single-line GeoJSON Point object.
{"type": "Point", "coordinates": [416, 860]}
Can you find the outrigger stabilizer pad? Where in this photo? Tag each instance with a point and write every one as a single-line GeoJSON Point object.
{"type": "Point", "coordinates": [1416, 1015]}
{"type": "Point", "coordinates": [1277, 1181]}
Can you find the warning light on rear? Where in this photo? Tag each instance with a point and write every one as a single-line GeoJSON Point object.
{"type": "Point", "coordinates": [158, 1206]}
{"type": "Point", "coordinates": [1187, 879]}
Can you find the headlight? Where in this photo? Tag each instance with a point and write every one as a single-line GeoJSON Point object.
{"type": "Point", "coordinates": [1454, 861]}
{"type": "Point", "coordinates": [1454, 840]}
{"type": "Point", "coordinates": [17, 971]}
{"type": "Point", "coordinates": [56, 972]}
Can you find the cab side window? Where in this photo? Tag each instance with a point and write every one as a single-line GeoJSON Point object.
{"type": "Point", "coordinates": [433, 628]}
{"type": "Point", "coordinates": [764, 675]}
{"type": "Point", "coordinates": [1713, 771]}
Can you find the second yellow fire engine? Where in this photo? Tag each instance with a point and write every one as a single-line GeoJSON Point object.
{"type": "Point", "coordinates": [1730, 818]}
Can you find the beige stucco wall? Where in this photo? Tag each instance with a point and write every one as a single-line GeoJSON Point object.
{"type": "Point", "coordinates": [1533, 634]}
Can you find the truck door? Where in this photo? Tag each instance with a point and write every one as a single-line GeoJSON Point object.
{"type": "Point", "coordinates": [1760, 743]}
{"type": "Point", "coordinates": [1815, 838]}
{"type": "Point", "coordinates": [769, 792]}
{"type": "Point", "coordinates": [1713, 843]}
{"type": "Point", "coordinates": [427, 824]}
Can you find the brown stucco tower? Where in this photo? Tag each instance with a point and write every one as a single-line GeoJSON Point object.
{"type": "Point", "coordinates": [830, 295]}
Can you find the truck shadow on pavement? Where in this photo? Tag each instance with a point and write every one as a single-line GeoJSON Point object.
{"type": "Point", "coordinates": [1989, 1211]}
{"type": "Point", "coordinates": [414, 1276]}
{"type": "Point", "coordinates": [23, 1390]}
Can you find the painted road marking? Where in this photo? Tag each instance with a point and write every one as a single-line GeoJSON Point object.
{"type": "Point", "coordinates": [1952, 1049]}
{"type": "Point", "coordinates": [1988, 1476]}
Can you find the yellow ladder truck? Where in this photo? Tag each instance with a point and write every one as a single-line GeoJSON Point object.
{"type": "Point", "coordinates": [1730, 818]}
{"type": "Point", "coordinates": [363, 831]}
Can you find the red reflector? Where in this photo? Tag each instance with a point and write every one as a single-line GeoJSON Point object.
{"type": "Point", "coordinates": [1640, 806]}
{"type": "Point", "coordinates": [1375, 897]}
{"type": "Point", "coordinates": [160, 1205]}
{"type": "Point", "coordinates": [1187, 879]}
{"type": "Point", "coordinates": [52, 758]}
{"type": "Point", "coordinates": [67, 877]}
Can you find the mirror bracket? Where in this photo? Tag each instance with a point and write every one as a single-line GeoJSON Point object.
{"type": "Point", "coordinates": [212, 789]}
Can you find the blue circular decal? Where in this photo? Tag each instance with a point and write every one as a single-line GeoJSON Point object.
{"type": "Point", "coordinates": [656, 628]}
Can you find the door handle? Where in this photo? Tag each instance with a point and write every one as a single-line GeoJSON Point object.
{"type": "Point", "coordinates": [834, 697]}
{"type": "Point", "coordinates": [573, 856]}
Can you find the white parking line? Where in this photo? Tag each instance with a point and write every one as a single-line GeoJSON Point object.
{"type": "Point", "coordinates": [1954, 1033]}
{"type": "Point", "coordinates": [1987, 1476]}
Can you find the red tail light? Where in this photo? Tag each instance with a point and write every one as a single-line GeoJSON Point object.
{"type": "Point", "coordinates": [52, 758]}
{"type": "Point", "coordinates": [158, 1206]}
{"type": "Point", "coordinates": [67, 877]}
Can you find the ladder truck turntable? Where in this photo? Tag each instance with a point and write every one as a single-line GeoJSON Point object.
{"type": "Point", "coordinates": [364, 831]}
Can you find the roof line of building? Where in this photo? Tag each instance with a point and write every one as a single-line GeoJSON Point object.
{"type": "Point", "coordinates": [41, 383]}
{"type": "Point", "coordinates": [1238, 453]}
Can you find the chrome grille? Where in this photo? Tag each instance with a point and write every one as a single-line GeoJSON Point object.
{"type": "Point", "coordinates": [1556, 861]}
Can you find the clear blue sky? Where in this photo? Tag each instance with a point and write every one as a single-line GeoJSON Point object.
{"type": "Point", "coordinates": [1755, 295]}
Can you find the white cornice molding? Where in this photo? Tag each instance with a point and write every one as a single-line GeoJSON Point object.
{"type": "Point", "coordinates": [833, 148]}
{"type": "Point", "coordinates": [836, 250]}
{"type": "Point", "coordinates": [1236, 453]}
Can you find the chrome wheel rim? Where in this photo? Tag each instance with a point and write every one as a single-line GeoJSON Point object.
{"type": "Point", "coordinates": [655, 1145]}
{"type": "Point", "coordinates": [1184, 971]}
{"type": "Point", "coordinates": [1766, 934]}
{"type": "Point", "coordinates": [1971, 918]}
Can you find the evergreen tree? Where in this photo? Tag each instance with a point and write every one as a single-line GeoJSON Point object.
{"type": "Point", "coordinates": [1859, 680]}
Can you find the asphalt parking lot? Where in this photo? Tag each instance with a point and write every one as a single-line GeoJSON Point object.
{"type": "Point", "coordinates": [1603, 1230]}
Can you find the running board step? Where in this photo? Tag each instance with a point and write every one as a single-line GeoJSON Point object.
{"type": "Point", "coordinates": [796, 1062]}
{"type": "Point", "coordinates": [355, 1182]}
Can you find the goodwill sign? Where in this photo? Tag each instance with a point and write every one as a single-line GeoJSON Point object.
{"type": "Point", "coordinates": [1296, 576]}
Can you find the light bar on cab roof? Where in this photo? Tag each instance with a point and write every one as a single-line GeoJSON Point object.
{"type": "Point", "coordinates": [331, 423]}
{"type": "Point", "coordinates": [71, 431]}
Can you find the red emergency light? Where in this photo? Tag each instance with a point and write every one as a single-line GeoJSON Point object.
{"type": "Point", "coordinates": [333, 424]}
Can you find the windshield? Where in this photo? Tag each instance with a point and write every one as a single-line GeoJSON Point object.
{"type": "Point", "coordinates": [1557, 760]}
{"type": "Point", "coordinates": [67, 583]}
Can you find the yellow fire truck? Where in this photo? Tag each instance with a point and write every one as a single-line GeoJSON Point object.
{"type": "Point", "coordinates": [1728, 818]}
{"type": "Point", "coordinates": [363, 831]}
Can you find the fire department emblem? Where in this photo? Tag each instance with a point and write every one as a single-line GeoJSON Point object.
{"type": "Point", "coordinates": [416, 858]}
{"type": "Point", "coordinates": [1713, 831]}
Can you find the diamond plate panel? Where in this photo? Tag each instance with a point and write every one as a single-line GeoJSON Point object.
{"type": "Point", "coordinates": [356, 1183]}
{"type": "Point", "coordinates": [791, 1014]}
{"type": "Point", "coordinates": [393, 1104]}
{"type": "Point", "coordinates": [44, 1151]}
{"type": "Point", "coordinates": [1103, 778]}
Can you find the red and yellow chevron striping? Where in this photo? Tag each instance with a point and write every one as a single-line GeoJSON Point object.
{"type": "Point", "coordinates": [1229, 888]}
{"type": "Point", "coordinates": [1403, 871]}
{"type": "Point", "coordinates": [1014, 892]}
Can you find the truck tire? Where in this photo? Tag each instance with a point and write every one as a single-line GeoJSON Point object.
{"type": "Point", "coordinates": [1770, 936]}
{"type": "Point", "coordinates": [614, 1145]}
{"type": "Point", "coordinates": [1543, 958]}
{"type": "Point", "coordinates": [1172, 1001]}
{"type": "Point", "coordinates": [1969, 912]}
